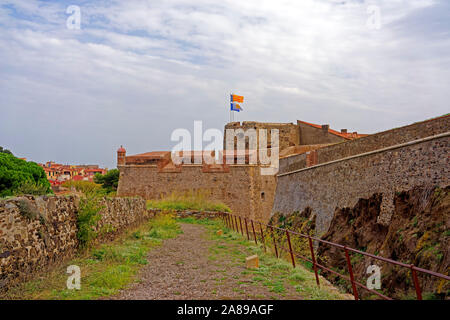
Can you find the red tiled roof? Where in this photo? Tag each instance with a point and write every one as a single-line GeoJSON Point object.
{"type": "Point", "coordinates": [194, 153]}
{"type": "Point", "coordinates": [151, 155]}
{"type": "Point", "coordinates": [55, 182]}
{"type": "Point", "coordinates": [94, 170]}
{"type": "Point", "coordinates": [347, 135]}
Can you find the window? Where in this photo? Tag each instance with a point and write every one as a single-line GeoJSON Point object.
{"type": "Point", "coordinates": [263, 196]}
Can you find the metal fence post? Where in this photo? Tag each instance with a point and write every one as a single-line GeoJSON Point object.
{"type": "Point", "coordinates": [416, 283]}
{"type": "Point", "coordinates": [313, 258]}
{"type": "Point", "coordinates": [350, 270]}
{"type": "Point", "coordinates": [246, 228]}
{"type": "Point", "coordinates": [262, 237]}
{"type": "Point", "coordinates": [274, 241]}
{"type": "Point", "coordinates": [254, 234]}
{"type": "Point", "coordinates": [290, 248]}
{"type": "Point", "coordinates": [240, 223]}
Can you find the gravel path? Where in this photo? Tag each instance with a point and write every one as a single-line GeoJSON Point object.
{"type": "Point", "coordinates": [182, 268]}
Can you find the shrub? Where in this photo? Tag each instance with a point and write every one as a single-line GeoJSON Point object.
{"type": "Point", "coordinates": [86, 187]}
{"type": "Point", "coordinates": [108, 181]}
{"type": "Point", "coordinates": [27, 209]}
{"type": "Point", "coordinates": [18, 177]}
{"type": "Point", "coordinates": [88, 216]}
{"type": "Point", "coordinates": [5, 151]}
{"type": "Point", "coordinates": [32, 188]}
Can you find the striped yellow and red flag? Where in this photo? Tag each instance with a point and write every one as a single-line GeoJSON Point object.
{"type": "Point", "coordinates": [236, 98]}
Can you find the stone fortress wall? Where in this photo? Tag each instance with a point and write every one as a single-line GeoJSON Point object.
{"type": "Point", "coordinates": [315, 170]}
{"type": "Point", "coordinates": [338, 175]}
{"type": "Point", "coordinates": [242, 187]}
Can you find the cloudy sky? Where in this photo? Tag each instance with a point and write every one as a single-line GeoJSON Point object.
{"type": "Point", "coordinates": [137, 70]}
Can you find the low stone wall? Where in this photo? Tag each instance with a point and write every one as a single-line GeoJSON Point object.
{"type": "Point", "coordinates": [34, 234]}
{"type": "Point", "coordinates": [120, 214]}
{"type": "Point", "coordinates": [190, 213]}
{"type": "Point", "coordinates": [38, 232]}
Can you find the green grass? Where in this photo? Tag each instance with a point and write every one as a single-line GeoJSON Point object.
{"type": "Point", "coordinates": [189, 201]}
{"type": "Point", "coordinates": [105, 269]}
{"type": "Point", "coordinates": [275, 274]}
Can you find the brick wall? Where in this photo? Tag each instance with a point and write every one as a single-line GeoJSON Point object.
{"type": "Point", "coordinates": [38, 232]}
{"type": "Point", "coordinates": [340, 184]}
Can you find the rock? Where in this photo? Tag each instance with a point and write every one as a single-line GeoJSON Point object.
{"type": "Point", "coordinates": [252, 262]}
{"type": "Point", "coordinates": [10, 206]}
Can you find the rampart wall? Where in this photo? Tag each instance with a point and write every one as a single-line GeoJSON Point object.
{"type": "Point", "coordinates": [384, 139]}
{"type": "Point", "coordinates": [241, 187]}
{"type": "Point", "coordinates": [341, 184]}
{"type": "Point", "coordinates": [388, 162]}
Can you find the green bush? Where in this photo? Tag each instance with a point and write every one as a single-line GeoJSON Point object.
{"type": "Point", "coordinates": [19, 177]}
{"type": "Point", "coordinates": [108, 181]}
{"type": "Point", "coordinates": [5, 151]}
{"type": "Point", "coordinates": [88, 216]}
{"type": "Point", "coordinates": [32, 188]}
{"type": "Point", "coordinates": [86, 187]}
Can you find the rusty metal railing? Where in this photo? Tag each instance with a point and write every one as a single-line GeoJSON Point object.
{"type": "Point", "coordinates": [234, 222]}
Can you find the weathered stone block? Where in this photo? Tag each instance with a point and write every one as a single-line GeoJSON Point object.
{"type": "Point", "coordinates": [252, 262]}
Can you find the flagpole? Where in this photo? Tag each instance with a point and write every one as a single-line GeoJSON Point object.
{"type": "Point", "coordinates": [230, 107]}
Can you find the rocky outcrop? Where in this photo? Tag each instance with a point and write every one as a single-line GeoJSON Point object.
{"type": "Point", "coordinates": [302, 222]}
{"type": "Point", "coordinates": [417, 234]}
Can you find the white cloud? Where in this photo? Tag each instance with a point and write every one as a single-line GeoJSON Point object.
{"type": "Point", "coordinates": [138, 69]}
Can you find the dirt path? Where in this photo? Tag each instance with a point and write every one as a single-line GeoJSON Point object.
{"type": "Point", "coordinates": [183, 268]}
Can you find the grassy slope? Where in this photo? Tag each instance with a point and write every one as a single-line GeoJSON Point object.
{"type": "Point", "coordinates": [188, 201]}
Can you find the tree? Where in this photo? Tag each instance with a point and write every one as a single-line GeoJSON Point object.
{"type": "Point", "coordinates": [109, 181]}
{"type": "Point", "coordinates": [5, 151]}
{"type": "Point", "coordinates": [19, 176]}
